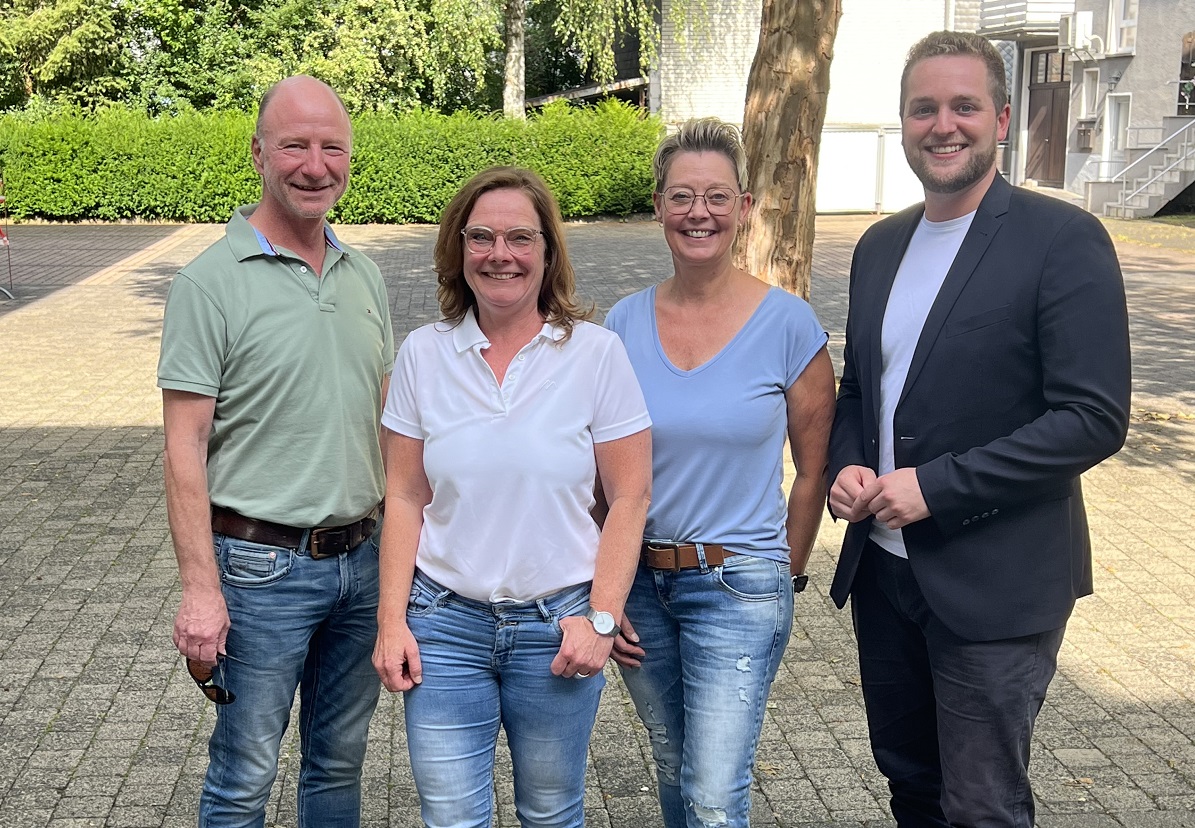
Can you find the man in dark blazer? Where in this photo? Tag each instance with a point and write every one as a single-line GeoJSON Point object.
{"type": "Point", "coordinates": [986, 368]}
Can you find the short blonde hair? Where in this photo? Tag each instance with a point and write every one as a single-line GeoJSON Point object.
{"type": "Point", "coordinates": [702, 135]}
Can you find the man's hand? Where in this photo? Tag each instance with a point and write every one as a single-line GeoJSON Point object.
{"type": "Point", "coordinates": [627, 652]}
{"type": "Point", "coordinates": [583, 652]}
{"type": "Point", "coordinates": [396, 658]}
{"type": "Point", "coordinates": [201, 626]}
{"type": "Point", "coordinates": [845, 500]}
{"type": "Point", "coordinates": [895, 498]}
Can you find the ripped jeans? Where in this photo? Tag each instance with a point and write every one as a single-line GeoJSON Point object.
{"type": "Point", "coordinates": [713, 640]}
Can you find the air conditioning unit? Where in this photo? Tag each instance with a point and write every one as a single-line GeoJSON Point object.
{"type": "Point", "coordinates": [1074, 32]}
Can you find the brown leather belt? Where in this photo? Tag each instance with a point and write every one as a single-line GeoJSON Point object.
{"type": "Point", "coordinates": [325, 542]}
{"type": "Point", "coordinates": [678, 556]}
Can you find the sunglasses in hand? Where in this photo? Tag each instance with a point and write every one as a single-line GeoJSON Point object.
{"type": "Point", "coordinates": [205, 678]}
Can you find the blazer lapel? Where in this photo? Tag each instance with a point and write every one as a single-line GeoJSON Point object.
{"type": "Point", "coordinates": [987, 222]}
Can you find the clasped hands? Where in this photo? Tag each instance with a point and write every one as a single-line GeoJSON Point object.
{"type": "Point", "coordinates": [894, 498]}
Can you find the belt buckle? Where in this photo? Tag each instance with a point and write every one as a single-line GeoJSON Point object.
{"type": "Point", "coordinates": [673, 546]}
{"type": "Point", "coordinates": [321, 536]}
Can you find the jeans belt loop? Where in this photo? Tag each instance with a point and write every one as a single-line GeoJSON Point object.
{"type": "Point", "coordinates": [544, 612]}
{"type": "Point", "coordinates": [701, 558]}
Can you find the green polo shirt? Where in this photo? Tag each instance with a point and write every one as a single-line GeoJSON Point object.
{"type": "Point", "coordinates": [295, 362]}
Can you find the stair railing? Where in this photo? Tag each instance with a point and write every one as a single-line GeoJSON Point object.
{"type": "Point", "coordinates": [1186, 150]}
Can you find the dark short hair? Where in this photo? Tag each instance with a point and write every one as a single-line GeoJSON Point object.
{"type": "Point", "coordinates": [558, 294]}
{"type": "Point", "coordinates": [702, 135]}
{"type": "Point", "coordinates": [939, 44]}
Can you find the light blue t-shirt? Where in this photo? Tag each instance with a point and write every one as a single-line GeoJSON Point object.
{"type": "Point", "coordinates": [718, 430]}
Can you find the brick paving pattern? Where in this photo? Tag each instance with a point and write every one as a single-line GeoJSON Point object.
{"type": "Point", "coordinates": [101, 726]}
{"type": "Point", "coordinates": [44, 258]}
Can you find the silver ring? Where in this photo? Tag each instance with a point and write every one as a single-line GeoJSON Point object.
{"type": "Point", "coordinates": [582, 675]}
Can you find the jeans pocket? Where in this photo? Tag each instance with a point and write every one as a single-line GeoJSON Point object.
{"type": "Point", "coordinates": [572, 601]}
{"type": "Point", "coordinates": [752, 579]}
{"type": "Point", "coordinates": [426, 596]}
{"type": "Point", "coordinates": [250, 565]}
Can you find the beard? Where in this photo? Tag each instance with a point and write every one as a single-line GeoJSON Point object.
{"type": "Point", "coordinates": [977, 166]}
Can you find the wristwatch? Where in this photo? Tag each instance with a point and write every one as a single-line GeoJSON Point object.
{"type": "Point", "coordinates": [603, 622]}
{"type": "Point", "coordinates": [800, 582]}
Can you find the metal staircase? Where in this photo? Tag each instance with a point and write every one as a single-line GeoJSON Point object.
{"type": "Point", "coordinates": [1152, 177]}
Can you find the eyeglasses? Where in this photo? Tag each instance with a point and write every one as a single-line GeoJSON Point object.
{"type": "Point", "coordinates": [719, 201]}
{"type": "Point", "coordinates": [481, 239]}
{"type": "Point", "coordinates": [202, 673]}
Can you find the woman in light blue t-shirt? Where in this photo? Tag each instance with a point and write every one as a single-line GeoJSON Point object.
{"type": "Point", "coordinates": [730, 367]}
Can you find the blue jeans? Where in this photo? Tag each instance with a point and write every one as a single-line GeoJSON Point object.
{"type": "Point", "coordinates": [296, 623]}
{"type": "Point", "coordinates": [714, 639]}
{"type": "Point", "coordinates": [485, 666]}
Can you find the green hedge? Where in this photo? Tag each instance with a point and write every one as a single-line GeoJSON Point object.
{"type": "Point", "coordinates": [195, 167]}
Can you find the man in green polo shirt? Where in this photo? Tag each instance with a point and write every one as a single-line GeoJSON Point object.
{"type": "Point", "coordinates": [276, 353]}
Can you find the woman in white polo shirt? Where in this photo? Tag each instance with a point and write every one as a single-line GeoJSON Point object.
{"type": "Point", "coordinates": [499, 594]}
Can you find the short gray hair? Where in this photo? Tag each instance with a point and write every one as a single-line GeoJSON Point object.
{"type": "Point", "coordinates": [702, 135]}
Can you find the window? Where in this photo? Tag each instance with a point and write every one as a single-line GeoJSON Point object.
{"type": "Point", "coordinates": [1091, 93]}
{"type": "Point", "coordinates": [1124, 25]}
{"type": "Point", "coordinates": [1117, 123]}
{"type": "Point", "coordinates": [1050, 67]}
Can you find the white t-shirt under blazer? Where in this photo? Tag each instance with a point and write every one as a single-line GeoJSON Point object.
{"type": "Point", "coordinates": [511, 466]}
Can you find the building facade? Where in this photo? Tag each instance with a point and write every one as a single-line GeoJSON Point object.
{"type": "Point", "coordinates": [1131, 147]}
{"type": "Point", "coordinates": [1101, 97]}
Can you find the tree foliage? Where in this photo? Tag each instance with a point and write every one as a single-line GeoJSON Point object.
{"type": "Point", "coordinates": [596, 27]}
{"type": "Point", "coordinates": [66, 49]}
{"type": "Point", "coordinates": [175, 55]}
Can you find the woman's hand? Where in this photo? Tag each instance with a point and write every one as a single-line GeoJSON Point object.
{"type": "Point", "coordinates": [583, 652]}
{"type": "Point", "coordinates": [627, 652]}
{"type": "Point", "coordinates": [396, 657]}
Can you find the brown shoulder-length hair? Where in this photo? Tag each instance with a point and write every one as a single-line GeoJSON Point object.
{"type": "Point", "coordinates": [558, 294]}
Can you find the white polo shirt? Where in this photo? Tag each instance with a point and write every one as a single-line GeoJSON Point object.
{"type": "Point", "coordinates": [511, 466]}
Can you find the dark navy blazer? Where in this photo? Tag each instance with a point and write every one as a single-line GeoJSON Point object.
{"type": "Point", "coordinates": [1019, 383]}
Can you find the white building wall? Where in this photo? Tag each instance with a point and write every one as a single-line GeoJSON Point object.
{"type": "Point", "coordinates": [874, 37]}
{"type": "Point", "coordinates": [703, 70]}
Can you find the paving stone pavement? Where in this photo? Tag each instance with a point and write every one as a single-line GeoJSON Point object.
{"type": "Point", "coordinates": [100, 725]}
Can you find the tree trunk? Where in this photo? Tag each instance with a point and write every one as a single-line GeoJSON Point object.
{"type": "Point", "coordinates": [513, 85]}
{"type": "Point", "coordinates": [782, 125]}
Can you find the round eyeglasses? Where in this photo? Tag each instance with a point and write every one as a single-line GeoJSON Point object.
{"type": "Point", "coordinates": [719, 201]}
{"type": "Point", "coordinates": [519, 239]}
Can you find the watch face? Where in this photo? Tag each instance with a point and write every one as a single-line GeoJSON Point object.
{"type": "Point", "coordinates": [603, 622]}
